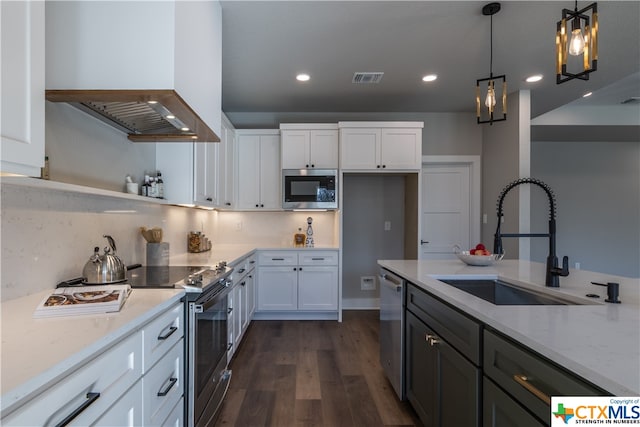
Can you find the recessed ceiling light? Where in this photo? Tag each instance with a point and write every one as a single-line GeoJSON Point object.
{"type": "Point", "coordinates": [534, 78]}
{"type": "Point", "coordinates": [185, 129]}
{"type": "Point", "coordinates": [429, 77]}
{"type": "Point", "coordinates": [152, 102]}
{"type": "Point", "coordinates": [587, 94]}
{"type": "Point", "coordinates": [303, 77]}
{"type": "Point", "coordinates": [170, 116]}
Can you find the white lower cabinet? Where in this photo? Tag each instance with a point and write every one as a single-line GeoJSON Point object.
{"type": "Point", "coordinates": [126, 412]}
{"type": "Point", "coordinates": [241, 301]}
{"type": "Point", "coordinates": [163, 386]}
{"type": "Point", "coordinates": [298, 281]}
{"type": "Point", "coordinates": [120, 386]}
{"type": "Point", "coordinates": [91, 389]}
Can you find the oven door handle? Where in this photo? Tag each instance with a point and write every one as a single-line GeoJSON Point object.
{"type": "Point", "coordinates": [199, 308]}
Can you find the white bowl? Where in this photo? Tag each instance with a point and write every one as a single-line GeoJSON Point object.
{"type": "Point", "coordinates": [476, 260]}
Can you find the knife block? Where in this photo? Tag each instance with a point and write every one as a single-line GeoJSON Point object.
{"type": "Point", "coordinates": [158, 254]}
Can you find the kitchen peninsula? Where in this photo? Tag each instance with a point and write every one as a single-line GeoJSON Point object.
{"type": "Point", "coordinates": [597, 341]}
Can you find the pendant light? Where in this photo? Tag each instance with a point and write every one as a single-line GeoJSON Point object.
{"type": "Point", "coordinates": [490, 108]}
{"type": "Point", "coordinates": [580, 40]}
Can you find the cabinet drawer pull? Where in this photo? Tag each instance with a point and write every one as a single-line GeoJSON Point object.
{"type": "Point", "coordinates": [523, 380]}
{"type": "Point", "coordinates": [164, 392]}
{"type": "Point", "coordinates": [277, 259]}
{"type": "Point", "coordinates": [91, 397]}
{"type": "Point", "coordinates": [241, 271]}
{"type": "Point", "coordinates": [252, 262]}
{"type": "Point", "coordinates": [243, 283]}
{"type": "Point", "coordinates": [171, 331]}
{"type": "Point", "coordinates": [317, 259]}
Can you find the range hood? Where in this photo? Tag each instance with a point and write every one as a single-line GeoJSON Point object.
{"type": "Point", "coordinates": [144, 115]}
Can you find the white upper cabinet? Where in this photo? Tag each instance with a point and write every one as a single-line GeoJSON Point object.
{"type": "Point", "coordinates": [206, 180]}
{"type": "Point", "coordinates": [380, 146]}
{"type": "Point", "coordinates": [226, 164]}
{"type": "Point", "coordinates": [258, 169]}
{"type": "Point", "coordinates": [139, 45]}
{"type": "Point", "coordinates": [306, 146]}
{"type": "Point", "coordinates": [23, 77]}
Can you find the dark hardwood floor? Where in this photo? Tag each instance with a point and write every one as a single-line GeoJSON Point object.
{"type": "Point", "coordinates": [312, 373]}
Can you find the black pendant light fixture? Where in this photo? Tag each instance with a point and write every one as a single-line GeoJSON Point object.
{"type": "Point", "coordinates": [577, 35]}
{"type": "Point", "coordinates": [490, 108]}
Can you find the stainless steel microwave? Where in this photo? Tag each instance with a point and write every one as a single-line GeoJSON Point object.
{"type": "Point", "coordinates": [309, 189]}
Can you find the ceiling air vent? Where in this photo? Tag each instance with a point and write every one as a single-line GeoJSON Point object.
{"type": "Point", "coordinates": [367, 77]}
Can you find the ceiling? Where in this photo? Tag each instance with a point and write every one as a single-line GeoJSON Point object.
{"type": "Point", "coordinates": [266, 43]}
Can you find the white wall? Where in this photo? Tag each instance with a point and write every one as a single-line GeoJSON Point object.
{"type": "Point", "coordinates": [597, 187]}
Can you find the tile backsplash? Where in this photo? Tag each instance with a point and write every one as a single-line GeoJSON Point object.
{"type": "Point", "coordinates": [48, 235]}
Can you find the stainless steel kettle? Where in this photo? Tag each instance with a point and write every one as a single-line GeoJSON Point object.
{"type": "Point", "coordinates": [106, 268]}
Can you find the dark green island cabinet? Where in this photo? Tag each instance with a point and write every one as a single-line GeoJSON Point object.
{"type": "Point", "coordinates": [461, 372]}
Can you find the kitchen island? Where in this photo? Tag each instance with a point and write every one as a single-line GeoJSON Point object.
{"type": "Point", "coordinates": [597, 341]}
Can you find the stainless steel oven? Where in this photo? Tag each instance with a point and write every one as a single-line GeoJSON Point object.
{"type": "Point", "coordinates": [207, 374]}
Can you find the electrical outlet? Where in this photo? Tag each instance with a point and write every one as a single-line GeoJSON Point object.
{"type": "Point", "coordinates": [367, 283]}
{"type": "Point", "coordinates": [387, 226]}
{"type": "Point", "coordinates": [577, 267]}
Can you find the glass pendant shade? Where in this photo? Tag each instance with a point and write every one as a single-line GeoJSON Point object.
{"type": "Point", "coordinates": [580, 40]}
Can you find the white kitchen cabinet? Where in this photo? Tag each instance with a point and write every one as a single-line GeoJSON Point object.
{"type": "Point", "coordinates": [94, 386]}
{"type": "Point", "coordinates": [258, 169]}
{"type": "Point", "coordinates": [241, 300]}
{"type": "Point", "coordinates": [120, 386]}
{"type": "Point", "coordinates": [226, 164]}
{"type": "Point", "coordinates": [23, 84]}
{"type": "Point", "coordinates": [318, 288]}
{"type": "Point", "coordinates": [305, 146]}
{"type": "Point", "coordinates": [206, 174]}
{"type": "Point", "coordinates": [380, 146]}
{"type": "Point", "coordinates": [163, 386]}
{"type": "Point", "coordinates": [297, 281]}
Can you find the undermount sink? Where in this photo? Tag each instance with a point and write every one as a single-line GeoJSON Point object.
{"type": "Point", "coordinates": [499, 292]}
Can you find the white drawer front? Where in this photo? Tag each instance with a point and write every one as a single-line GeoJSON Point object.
{"type": "Point", "coordinates": [110, 375]}
{"type": "Point", "coordinates": [161, 334]}
{"type": "Point", "coordinates": [163, 386]}
{"type": "Point", "coordinates": [176, 417]}
{"type": "Point", "coordinates": [278, 258]}
{"type": "Point", "coordinates": [126, 412]}
{"type": "Point", "coordinates": [318, 258]}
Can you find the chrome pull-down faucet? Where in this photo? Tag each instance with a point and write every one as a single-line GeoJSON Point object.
{"type": "Point", "coordinates": [553, 272]}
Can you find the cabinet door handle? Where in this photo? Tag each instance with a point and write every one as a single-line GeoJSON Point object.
{"type": "Point", "coordinates": [432, 339]}
{"type": "Point", "coordinates": [241, 271]}
{"type": "Point", "coordinates": [243, 283]}
{"type": "Point", "coordinates": [209, 199]}
{"type": "Point", "coordinates": [523, 380]}
{"type": "Point", "coordinates": [168, 334]}
{"type": "Point", "coordinates": [252, 262]}
{"type": "Point", "coordinates": [229, 310]}
{"type": "Point", "coordinates": [91, 397]}
{"type": "Point", "coordinates": [164, 392]}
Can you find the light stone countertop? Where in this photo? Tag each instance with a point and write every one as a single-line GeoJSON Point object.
{"type": "Point", "coordinates": [36, 353]}
{"type": "Point", "coordinates": [599, 341]}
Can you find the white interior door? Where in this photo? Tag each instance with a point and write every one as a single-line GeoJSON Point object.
{"type": "Point", "coordinates": [446, 209]}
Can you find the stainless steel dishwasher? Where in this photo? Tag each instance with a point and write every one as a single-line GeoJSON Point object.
{"type": "Point", "coordinates": [392, 291]}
